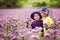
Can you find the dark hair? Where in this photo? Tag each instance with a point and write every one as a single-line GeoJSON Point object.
{"type": "Point", "coordinates": [44, 9]}
{"type": "Point", "coordinates": [36, 12]}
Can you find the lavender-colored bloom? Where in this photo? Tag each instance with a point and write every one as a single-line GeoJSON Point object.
{"type": "Point", "coordinates": [10, 34]}
{"type": "Point", "coordinates": [1, 26]}
{"type": "Point", "coordinates": [34, 37]}
{"type": "Point", "coordinates": [54, 33]}
{"type": "Point", "coordinates": [15, 38]}
{"type": "Point", "coordinates": [57, 31]}
{"type": "Point", "coordinates": [1, 32]}
{"type": "Point", "coordinates": [22, 32]}
{"type": "Point", "coordinates": [37, 29]}
{"type": "Point", "coordinates": [53, 26]}
{"type": "Point", "coordinates": [2, 39]}
{"type": "Point", "coordinates": [51, 32]}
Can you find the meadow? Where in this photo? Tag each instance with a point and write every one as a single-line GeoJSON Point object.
{"type": "Point", "coordinates": [14, 25]}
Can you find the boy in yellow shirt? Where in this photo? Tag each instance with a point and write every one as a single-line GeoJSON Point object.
{"type": "Point", "coordinates": [46, 18]}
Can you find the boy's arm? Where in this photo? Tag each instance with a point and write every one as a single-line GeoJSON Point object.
{"type": "Point", "coordinates": [50, 22]}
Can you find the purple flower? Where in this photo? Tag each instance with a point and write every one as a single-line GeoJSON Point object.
{"type": "Point", "coordinates": [37, 29]}
{"type": "Point", "coordinates": [46, 37]}
{"type": "Point", "coordinates": [53, 26]}
{"type": "Point", "coordinates": [15, 38]}
{"type": "Point", "coordinates": [54, 32]}
{"type": "Point", "coordinates": [22, 32]}
{"type": "Point", "coordinates": [1, 38]}
{"type": "Point", "coordinates": [57, 31]}
{"type": "Point", "coordinates": [1, 32]}
{"type": "Point", "coordinates": [34, 37]}
{"type": "Point", "coordinates": [1, 26]}
{"type": "Point", "coordinates": [10, 34]}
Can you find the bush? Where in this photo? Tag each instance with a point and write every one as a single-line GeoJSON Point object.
{"type": "Point", "coordinates": [55, 3]}
{"type": "Point", "coordinates": [38, 4]}
{"type": "Point", "coordinates": [10, 4]}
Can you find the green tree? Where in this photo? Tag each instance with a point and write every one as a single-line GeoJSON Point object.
{"type": "Point", "coordinates": [58, 3]}
{"type": "Point", "coordinates": [55, 3]}
{"type": "Point", "coordinates": [38, 4]}
{"type": "Point", "coordinates": [11, 3]}
{"type": "Point", "coordinates": [2, 4]}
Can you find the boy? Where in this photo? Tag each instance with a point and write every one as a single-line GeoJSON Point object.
{"type": "Point", "coordinates": [45, 16]}
{"type": "Point", "coordinates": [46, 19]}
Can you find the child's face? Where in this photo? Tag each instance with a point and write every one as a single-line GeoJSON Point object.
{"type": "Point", "coordinates": [43, 14]}
{"type": "Point", "coordinates": [36, 17]}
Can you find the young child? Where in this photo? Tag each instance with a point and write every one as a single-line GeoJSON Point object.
{"type": "Point", "coordinates": [45, 16]}
{"type": "Point", "coordinates": [36, 16]}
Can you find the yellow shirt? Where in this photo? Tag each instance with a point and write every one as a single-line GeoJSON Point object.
{"type": "Point", "coordinates": [45, 31]}
{"type": "Point", "coordinates": [47, 20]}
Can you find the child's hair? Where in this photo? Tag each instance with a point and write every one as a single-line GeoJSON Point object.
{"type": "Point", "coordinates": [36, 12]}
{"type": "Point", "coordinates": [44, 10]}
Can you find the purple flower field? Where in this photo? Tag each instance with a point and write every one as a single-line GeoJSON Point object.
{"type": "Point", "coordinates": [25, 12]}
{"type": "Point", "coordinates": [14, 25]}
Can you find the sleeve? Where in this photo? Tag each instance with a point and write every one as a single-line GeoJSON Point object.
{"type": "Point", "coordinates": [32, 26]}
{"type": "Point", "coordinates": [50, 21]}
